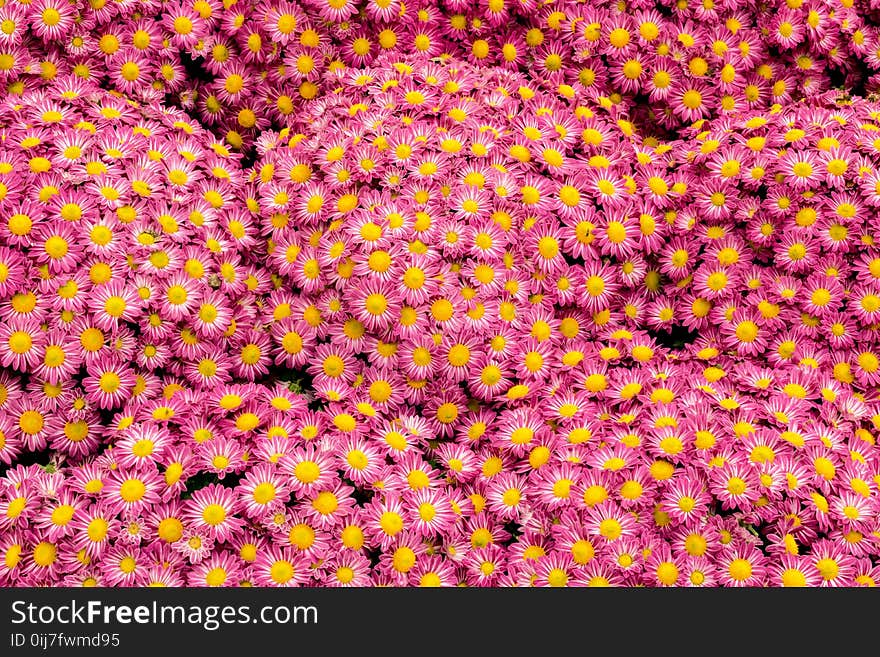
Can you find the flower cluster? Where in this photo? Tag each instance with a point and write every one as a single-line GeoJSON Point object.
{"type": "Point", "coordinates": [520, 296]}
{"type": "Point", "coordinates": [241, 67]}
{"type": "Point", "coordinates": [458, 296]}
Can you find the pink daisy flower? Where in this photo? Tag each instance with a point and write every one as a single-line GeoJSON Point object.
{"type": "Point", "coordinates": [108, 385]}
{"type": "Point", "coordinates": [261, 489]}
{"type": "Point", "coordinates": [281, 567]}
{"type": "Point", "coordinates": [213, 510]}
{"type": "Point", "coordinates": [20, 344]}
{"type": "Point", "coordinates": [50, 19]}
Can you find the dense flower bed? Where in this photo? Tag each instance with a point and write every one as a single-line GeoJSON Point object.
{"type": "Point", "coordinates": [492, 293]}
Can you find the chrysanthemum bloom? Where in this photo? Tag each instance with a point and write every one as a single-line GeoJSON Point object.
{"type": "Point", "coordinates": [20, 345]}
{"type": "Point", "coordinates": [741, 567]}
{"type": "Point", "coordinates": [212, 509]}
{"type": "Point", "coordinates": [329, 507]}
{"type": "Point", "coordinates": [261, 490]}
{"type": "Point", "coordinates": [793, 571]}
{"type": "Point", "coordinates": [218, 570]}
{"type": "Point", "coordinates": [281, 567]}
{"type": "Point", "coordinates": [93, 530]}
{"type": "Point", "coordinates": [109, 385]}
{"type": "Point", "coordinates": [142, 446]}
{"type": "Point", "coordinates": [194, 545]}
{"type": "Point", "coordinates": [835, 567]}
